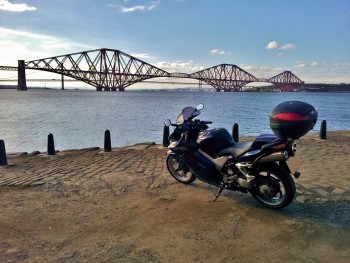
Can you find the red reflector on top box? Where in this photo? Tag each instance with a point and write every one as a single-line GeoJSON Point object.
{"type": "Point", "coordinates": [290, 116]}
{"type": "Point", "coordinates": [292, 119]}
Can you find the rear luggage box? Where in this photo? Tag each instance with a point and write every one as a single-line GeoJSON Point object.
{"type": "Point", "coordinates": [292, 119]}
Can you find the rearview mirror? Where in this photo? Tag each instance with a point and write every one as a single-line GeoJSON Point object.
{"type": "Point", "coordinates": [167, 122]}
{"type": "Point", "coordinates": [200, 106]}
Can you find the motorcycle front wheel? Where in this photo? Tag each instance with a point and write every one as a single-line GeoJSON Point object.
{"type": "Point", "coordinates": [179, 170]}
{"type": "Point", "coordinates": [273, 186]}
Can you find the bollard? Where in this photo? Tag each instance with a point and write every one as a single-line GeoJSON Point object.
{"type": "Point", "coordinates": [235, 132]}
{"type": "Point", "coordinates": [107, 144]}
{"type": "Point", "coordinates": [50, 145]}
{"type": "Point", "coordinates": [323, 130]}
{"type": "Point", "coordinates": [166, 141]}
{"type": "Point", "coordinates": [3, 159]}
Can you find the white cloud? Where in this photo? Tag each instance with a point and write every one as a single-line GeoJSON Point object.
{"type": "Point", "coordinates": [321, 71]}
{"type": "Point", "coordinates": [275, 45]}
{"type": "Point", "coordinates": [287, 46]}
{"type": "Point", "coordinates": [179, 66]}
{"type": "Point", "coordinates": [148, 6]}
{"type": "Point", "coordinates": [217, 52]}
{"type": "Point", "coordinates": [314, 64]}
{"type": "Point", "coordinates": [261, 71]}
{"type": "Point", "coordinates": [22, 7]}
{"type": "Point", "coordinates": [132, 9]}
{"type": "Point", "coordinates": [6, 32]}
{"type": "Point", "coordinates": [272, 45]}
{"type": "Point", "coordinates": [15, 45]}
{"type": "Point", "coordinates": [322, 64]}
{"type": "Point", "coordinates": [142, 56]}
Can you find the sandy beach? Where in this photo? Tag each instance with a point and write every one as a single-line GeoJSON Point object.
{"type": "Point", "coordinates": [122, 206]}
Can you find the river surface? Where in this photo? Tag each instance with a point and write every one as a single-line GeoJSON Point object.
{"type": "Point", "coordinates": [78, 119]}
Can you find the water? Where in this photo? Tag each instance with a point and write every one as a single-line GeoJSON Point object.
{"type": "Point", "coordinates": [78, 119]}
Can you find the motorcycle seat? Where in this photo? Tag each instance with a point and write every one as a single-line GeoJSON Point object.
{"type": "Point", "coordinates": [237, 149]}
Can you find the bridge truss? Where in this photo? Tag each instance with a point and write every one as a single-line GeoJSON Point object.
{"type": "Point", "coordinates": [111, 69]}
{"type": "Point", "coordinates": [103, 68]}
{"type": "Point", "coordinates": [287, 81]}
{"type": "Point", "coordinates": [225, 77]}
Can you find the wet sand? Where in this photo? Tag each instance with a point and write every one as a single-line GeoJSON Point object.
{"type": "Point", "coordinates": [123, 206]}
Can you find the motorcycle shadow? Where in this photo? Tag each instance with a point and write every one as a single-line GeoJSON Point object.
{"type": "Point", "coordinates": [309, 207]}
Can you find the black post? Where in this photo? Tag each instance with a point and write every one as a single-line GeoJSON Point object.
{"type": "Point", "coordinates": [107, 144]}
{"type": "Point", "coordinates": [235, 132]}
{"type": "Point", "coordinates": [166, 141]}
{"type": "Point", "coordinates": [323, 130]}
{"type": "Point", "coordinates": [50, 145]}
{"type": "Point", "coordinates": [3, 159]}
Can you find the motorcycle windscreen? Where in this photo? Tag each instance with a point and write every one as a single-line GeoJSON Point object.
{"type": "Point", "coordinates": [187, 113]}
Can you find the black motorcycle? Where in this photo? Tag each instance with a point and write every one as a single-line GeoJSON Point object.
{"type": "Point", "coordinates": [263, 167]}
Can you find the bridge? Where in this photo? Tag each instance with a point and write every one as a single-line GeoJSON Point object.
{"type": "Point", "coordinates": [109, 69]}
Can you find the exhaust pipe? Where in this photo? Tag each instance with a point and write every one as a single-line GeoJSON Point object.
{"type": "Point", "coordinates": [280, 156]}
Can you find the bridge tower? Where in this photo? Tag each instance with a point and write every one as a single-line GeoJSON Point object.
{"type": "Point", "coordinates": [22, 84]}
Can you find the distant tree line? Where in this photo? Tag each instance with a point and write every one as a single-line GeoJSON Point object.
{"type": "Point", "coordinates": [321, 87]}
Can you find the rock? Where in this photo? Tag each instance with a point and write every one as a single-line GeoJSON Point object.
{"type": "Point", "coordinates": [34, 153]}
{"type": "Point", "coordinates": [69, 255]}
{"type": "Point", "coordinates": [89, 149]}
{"type": "Point", "coordinates": [13, 251]}
{"type": "Point", "coordinates": [17, 154]}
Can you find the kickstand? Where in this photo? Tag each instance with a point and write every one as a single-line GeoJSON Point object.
{"type": "Point", "coordinates": [222, 186]}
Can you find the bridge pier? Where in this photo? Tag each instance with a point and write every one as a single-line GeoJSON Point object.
{"type": "Point", "coordinates": [101, 88]}
{"type": "Point", "coordinates": [62, 78]}
{"type": "Point", "coordinates": [22, 84]}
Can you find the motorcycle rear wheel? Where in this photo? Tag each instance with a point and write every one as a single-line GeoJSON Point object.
{"type": "Point", "coordinates": [179, 170]}
{"type": "Point", "coordinates": [273, 187]}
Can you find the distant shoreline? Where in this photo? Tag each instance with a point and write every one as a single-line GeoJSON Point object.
{"type": "Point", "coordinates": [326, 90]}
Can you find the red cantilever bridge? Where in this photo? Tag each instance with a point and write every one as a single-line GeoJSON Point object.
{"type": "Point", "coordinates": [110, 69]}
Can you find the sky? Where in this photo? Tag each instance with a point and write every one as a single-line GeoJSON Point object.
{"type": "Point", "coordinates": [311, 38]}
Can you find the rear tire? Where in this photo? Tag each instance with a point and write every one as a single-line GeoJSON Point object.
{"type": "Point", "coordinates": [179, 170]}
{"type": "Point", "coordinates": [273, 186]}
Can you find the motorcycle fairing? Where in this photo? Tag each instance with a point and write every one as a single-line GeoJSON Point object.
{"type": "Point", "coordinates": [203, 168]}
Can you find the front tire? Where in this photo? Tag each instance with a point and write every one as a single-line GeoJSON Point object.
{"type": "Point", "coordinates": [273, 186]}
{"type": "Point", "coordinates": [179, 170]}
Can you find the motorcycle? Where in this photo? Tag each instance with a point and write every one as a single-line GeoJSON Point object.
{"type": "Point", "coordinates": [263, 167]}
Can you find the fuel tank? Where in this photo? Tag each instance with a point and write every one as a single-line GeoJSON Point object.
{"type": "Point", "coordinates": [212, 141]}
